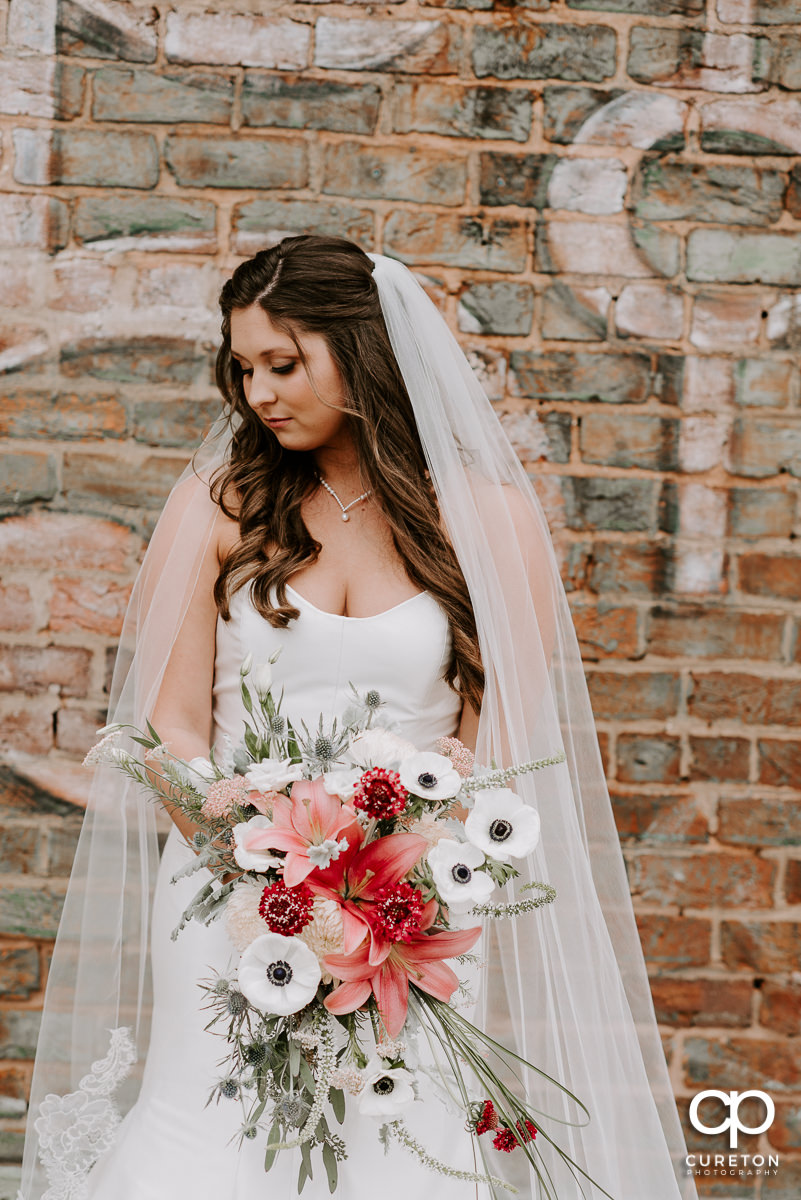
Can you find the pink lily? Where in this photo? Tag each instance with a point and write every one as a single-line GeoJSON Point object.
{"type": "Point", "coordinates": [358, 875]}
{"type": "Point", "coordinates": [307, 818]}
{"type": "Point", "coordinates": [418, 961]}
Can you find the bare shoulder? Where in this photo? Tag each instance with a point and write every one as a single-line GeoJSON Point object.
{"type": "Point", "coordinates": [227, 530]}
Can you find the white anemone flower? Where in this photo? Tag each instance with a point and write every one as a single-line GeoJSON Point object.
{"type": "Point", "coordinates": [501, 825]}
{"type": "Point", "coordinates": [279, 974]}
{"type": "Point", "coordinates": [458, 881]}
{"type": "Point", "coordinates": [253, 860]}
{"type": "Point", "coordinates": [342, 783]}
{"type": "Point", "coordinates": [386, 1091]}
{"type": "Point", "coordinates": [379, 748]}
{"type": "Point", "coordinates": [273, 774]}
{"type": "Point", "coordinates": [430, 775]}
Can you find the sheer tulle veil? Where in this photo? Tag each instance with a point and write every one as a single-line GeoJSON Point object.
{"type": "Point", "coordinates": [565, 986]}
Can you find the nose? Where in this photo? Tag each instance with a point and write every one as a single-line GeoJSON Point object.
{"type": "Point", "coordinates": [261, 391]}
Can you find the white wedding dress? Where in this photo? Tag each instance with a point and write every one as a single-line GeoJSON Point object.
{"type": "Point", "coordinates": [171, 1145]}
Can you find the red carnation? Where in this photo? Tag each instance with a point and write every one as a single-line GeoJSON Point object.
{"type": "Point", "coordinates": [488, 1118]}
{"type": "Point", "coordinates": [286, 910]}
{"type": "Point", "coordinates": [380, 793]}
{"type": "Point", "coordinates": [507, 1139]}
{"type": "Point", "coordinates": [397, 912]}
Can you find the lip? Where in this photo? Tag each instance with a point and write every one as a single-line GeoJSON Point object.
{"type": "Point", "coordinates": [277, 422]}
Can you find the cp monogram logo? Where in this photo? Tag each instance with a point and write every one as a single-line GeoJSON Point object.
{"type": "Point", "coordinates": [732, 1100]}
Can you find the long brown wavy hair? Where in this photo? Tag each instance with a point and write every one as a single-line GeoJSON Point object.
{"type": "Point", "coordinates": [324, 285]}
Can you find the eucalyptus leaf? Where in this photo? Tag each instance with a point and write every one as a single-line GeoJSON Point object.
{"type": "Point", "coordinates": [306, 1075]}
{"type": "Point", "coordinates": [274, 1136]}
{"type": "Point", "coordinates": [330, 1164]}
{"type": "Point", "coordinates": [337, 1098]}
{"type": "Point", "coordinates": [305, 1154]}
{"type": "Point", "coordinates": [294, 1058]}
{"type": "Point", "coordinates": [246, 700]}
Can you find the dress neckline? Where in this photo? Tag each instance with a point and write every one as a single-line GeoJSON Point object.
{"type": "Point", "coordinates": [343, 616]}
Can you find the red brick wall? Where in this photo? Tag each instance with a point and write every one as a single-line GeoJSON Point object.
{"type": "Point", "coordinates": [605, 198]}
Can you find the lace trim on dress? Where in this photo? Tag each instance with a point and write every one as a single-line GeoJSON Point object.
{"type": "Point", "coordinates": [75, 1130]}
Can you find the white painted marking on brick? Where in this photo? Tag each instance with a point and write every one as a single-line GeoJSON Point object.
{"type": "Point", "coordinates": [784, 318]}
{"type": "Point", "coordinates": [702, 510]}
{"type": "Point", "coordinates": [779, 120]}
{"type": "Point", "coordinates": [702, 441]}
{"type": "Point", "coordinates": [367, 43]}
{"type": "Point", "coordinates": [634, 119]}
{"type": "Point", "coordinates": [728, 62]}
{"type": "Point", "coordinates": [250, 41]}
{"type": "Point", "coordinates": [589, 185]}
{"type": "Point", "coordinates": [698, 568]}
{"type": "Point", "coordinates": [736, 12]}
{"type": "Point", "coordinates": [27, 86]}
{"type": "Point", "coordinates": [595, 248]}
{"type": "Point", "coordinates": [650, 310]}
{"type": "Point", "coordinates": [708, 384]}
{"type": "Point", "coordinates": [18, 355]}
{"type": "Point", "coordinates": [33, 155]}
{"type": "Point", "coordinates": [32, 23]}
{"type": "Point", "coordinates": [24, 220]}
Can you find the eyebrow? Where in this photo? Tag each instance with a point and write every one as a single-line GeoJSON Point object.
{"type": "Point", "coordinates": [265, 353]}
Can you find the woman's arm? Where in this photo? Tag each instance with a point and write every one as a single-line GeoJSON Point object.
{"type": "Point", "coordinates": [468, 727]}
{"type": "Point", "coordinates": [182, 714]}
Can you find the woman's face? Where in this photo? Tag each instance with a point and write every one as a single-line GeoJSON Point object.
{"type": "Point", "coordinates": [278, 388]}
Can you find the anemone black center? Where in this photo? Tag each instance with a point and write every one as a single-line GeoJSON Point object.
{"type": "Point", "coordinates": [279, 973]}
{"type": "Point", "coordinates": [384, 1086]}
{"type": "Point", "coordinates": [427, 780]}
{"type": "Point", "coordinates": [500, 830]}
{"type": "Point", "coordinates": [461, 873]}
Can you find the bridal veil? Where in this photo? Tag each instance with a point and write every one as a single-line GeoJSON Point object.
{"type": "Point", "coordinates": [564, 986]}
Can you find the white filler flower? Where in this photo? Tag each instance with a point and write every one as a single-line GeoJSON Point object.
{"type": "Point", "coordinates": [272, 774]}
{"type": "Point", "coordinates": [386, 1092]}
{"type": "Point", "coordinates": [454, 867]}
{"type": "Point", "coordinates": [379, 748]}
{"type": "Point", "coordinates": [501, 825]}
{"type": "Point", "coordinates": [279, 974]}
{"type": "Point", "coordinates": [253, 860]}
{"type": "Point", "coordinates": [342, 782]}
{"type": "Point", "coordinates": [430, 775]}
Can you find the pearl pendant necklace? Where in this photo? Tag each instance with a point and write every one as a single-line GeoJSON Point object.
{"type": "Point", "coordinates": [344, 507]}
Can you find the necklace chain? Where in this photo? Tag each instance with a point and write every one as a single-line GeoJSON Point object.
{"type": "Point", "coordinates": [344, 507]}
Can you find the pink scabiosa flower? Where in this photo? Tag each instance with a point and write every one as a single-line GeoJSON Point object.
{"type": "Point", "coordinates": [380, 794]}
{"type": "Point", "coordinates": [397, 911]}
{"type": "Point", "coordinates": [223, 795]}
{"type": "Point", "coordinates": [286, 910]}
{"type": "Point", "coordinates": [357, 879]}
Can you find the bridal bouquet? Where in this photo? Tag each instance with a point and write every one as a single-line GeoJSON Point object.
{"type": "Point", "coordinates": [351, 890]}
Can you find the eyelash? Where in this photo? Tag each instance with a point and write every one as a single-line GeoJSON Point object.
{"type": "Point", "coordinates": [275, 370]}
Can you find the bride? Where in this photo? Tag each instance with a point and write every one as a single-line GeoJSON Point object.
{"type": "Point", "coordinates": [360, 510]}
